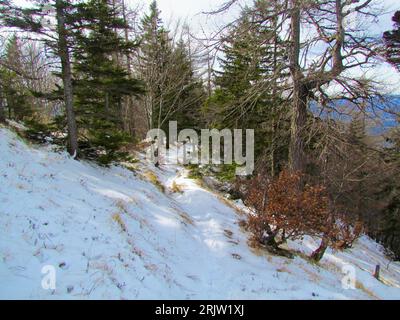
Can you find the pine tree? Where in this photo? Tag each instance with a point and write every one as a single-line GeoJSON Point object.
{"type": "Point", "coordinates": [57, 38]}
{"type": "Point", "coordinates": [15, 93]}
{"type": "Point", "coordinates": [187, 94]}
{"type": "Point", "coordinates": [100, 81]}
{"type": "Point", "coordinates": [247, 87]}
{"type": "Point", "coordinates": [2, 108]}
{"type": "Point", "coordinates": [173, 91]}
{"type": "Point", "coordinates": [388, 229]}
{"type": "Point", "coordinates": [357, 139]}
{"type": "Point", "coordinates": [155, 56]}
{"type": "Point", "coordinates": [392, 40]}
{"type": "Point", "coordinates": [63, 47]}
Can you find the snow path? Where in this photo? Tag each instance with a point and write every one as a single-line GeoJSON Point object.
{"type": "Point", "coordinates": [112, 234]}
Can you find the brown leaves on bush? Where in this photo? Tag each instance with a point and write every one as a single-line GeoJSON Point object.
{"type": "Point", "coordinates": [345, 233]}
{"type": "Point", "coordinates": [285, 209]}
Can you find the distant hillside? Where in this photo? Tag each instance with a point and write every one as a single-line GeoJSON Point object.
{"type": "Point", "coordinates": [380, 109]}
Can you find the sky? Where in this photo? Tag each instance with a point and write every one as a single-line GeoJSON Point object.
{"type": "Point", "coordinates": [191, 8]}
{"type": "Point", "coordinates": [191, 12]}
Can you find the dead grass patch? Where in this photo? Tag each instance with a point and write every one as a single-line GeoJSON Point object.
{"type": "Point", "coordinates": [361, 287]}
{"type": "Point", "coordinates": [283, 269]}
{"type": "Point", "coordinates": [184, 217]}
{"type": "Point", "coordinates": [150, 176]}
{"type": "Point", "coordinates": [176, 188]}
{"type": "Point", "coordinates": [120, 204]}
{"type": "Point", "coordinates": [151, 267]}
{"type": "Point", "coordinates": [229, 203]}
{"type": "Point", "coordinates": [117, 218]}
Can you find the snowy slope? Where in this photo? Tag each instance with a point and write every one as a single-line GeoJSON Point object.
{"type": "Point", "coordinates": [113, 234]}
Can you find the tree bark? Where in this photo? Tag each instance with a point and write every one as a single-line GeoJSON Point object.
{"type": "Point", "coordinates": [303, 85]}
{"type": "Point", "coordinates": [299, 104]}
{"type": "Point", "coordinates": [63, 52]}
{"type": "Point", "coordinates": [128, 103]}
{"type": "Point", "coordinates": [297, 129]}
{"type": "Point", "coordinates": [274, 94]}
{"type": "Point", "coordinates": [273, 148]}
{"type": "Point", "coordinates": [2, 111]}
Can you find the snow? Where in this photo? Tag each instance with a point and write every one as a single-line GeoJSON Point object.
{"type": "Point", "coordinates": [112, 234]}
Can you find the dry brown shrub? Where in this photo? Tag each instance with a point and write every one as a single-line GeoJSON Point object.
{"type": "Point", "coordinates": [284, 208]}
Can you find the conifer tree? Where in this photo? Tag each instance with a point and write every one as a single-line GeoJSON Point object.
{"type": "Point", "coordinates": [100, 81]}
{"type": "Point", "coordinates": [154, 58]}
{"type": "Point", "coordinates": [187, 92]}
{"type": "Point", "coordinates": [247, 94]}
{"type": "Point", "coordinates": [392, 40]}
{"type": "Point", "coordinates": [389, 226]}
{"type": "Point", "coordinates": [15, 92]}
{"type": "Point", "coordinates": [173, 90]}
{"type": "Point", "coordinates": [57, 37]}
{"type": "Point", "coordinates": [388, 230]}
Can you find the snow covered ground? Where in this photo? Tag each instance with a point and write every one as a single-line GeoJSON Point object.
{"type": "Point", "coordinates": [116, 234]}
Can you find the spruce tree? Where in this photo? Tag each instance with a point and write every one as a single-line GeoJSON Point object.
{"type": "Point", "coordinates": [387, 230]}
{"type": "Point", "coordinates": [99, 80]}
{"type": "Point", "coordinates": [155, 57]}
{"type": "Point", "coordinates": [357, 138]}
{"type": "Point", "coordinates": [57, 37]}
{"type": "Point", "coordinates": [187, 94]}
{"type": "Point", "coordinates": [392, 41]}
{"type": "Point", "coordinates": [247, 94]}
{"type": "Point", "coordinates": [173, 90]}
{"type": "Point", "coordinates": [15, 93]}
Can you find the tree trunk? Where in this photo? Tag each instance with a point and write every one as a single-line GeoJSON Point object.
{"type": "Point", "coordinates": [107, 103]}
{"type": "Point", "coordinates": [299, 104]}
{"type": "Point", "coordinates": [273, 148]}
{"type": "Point", "coordinates": [297, 129]}
{"type": "Point", "coordinates": [63, 53]}
{"type": "Point", "coordinates": [128, 103]}
{"type": "Point", "coordinates": [319, 253]}
{"type": "Point", "coordinates": [209, 74]}
{"type": "Point", "coordinates": [2, 115]}
{"type": "Point", "coordinates": [2, 111]}
{"type": "Point", "coordinates": [274, 94]}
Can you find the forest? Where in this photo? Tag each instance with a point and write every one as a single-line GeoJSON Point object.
{"type": "Point", "coordinates": [94, 76]}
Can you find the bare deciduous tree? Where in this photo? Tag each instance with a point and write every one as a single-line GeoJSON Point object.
{"type": "Point", "coordinates": [329, 47]}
